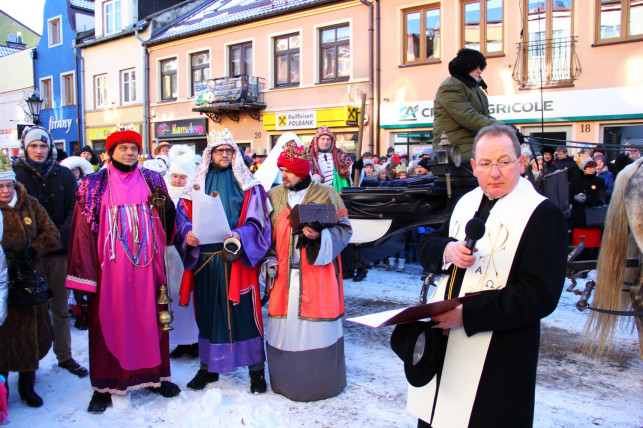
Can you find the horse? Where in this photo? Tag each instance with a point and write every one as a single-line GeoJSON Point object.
{"type": "Point", "coordinates": [619, 287]}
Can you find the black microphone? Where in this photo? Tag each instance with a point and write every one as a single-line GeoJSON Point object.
{"type": "Point", "coordinates": [474, 230]}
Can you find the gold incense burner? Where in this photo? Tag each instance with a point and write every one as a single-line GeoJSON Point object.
{"type": "Point", "coordinates": [166, 317]}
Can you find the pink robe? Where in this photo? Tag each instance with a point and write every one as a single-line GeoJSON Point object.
{"type": "Point", "coordinates": [128, 313]}
{"type": "Point", "coordinates": [127, 350]}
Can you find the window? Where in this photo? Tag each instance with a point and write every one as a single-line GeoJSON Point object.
{"type": "Point", "coordinates": [287, 60]}
{"type": "Point", "coordinates": [619, 21]}
{"type": "Point", "coordinates": [112, 16]}
{"type": "Point", "coordinates": [241, 59]}
{"type": "Point", "coordinates": [200, 63]}
{"type": "Point", "coordinates": [169, 91]}
{"type": "Point", "coordinates": [46, 88]}
{"type": "Point", "coordinates": [422, 35]}
{"type": "Point", "coordinates": [482, 26]}
{"type": "Point", "coordinates": [547, 52]}
{"type": "Point", "coordinates": [67, 85]}
{"type": "Point", "coordinates": [335, 60]}
{"type": "Point", "coordinates": [128, 86]}
{"type": "Point", "coordinates": [54, 29]}
{"type": "Point", "coordinates": [100, 91]}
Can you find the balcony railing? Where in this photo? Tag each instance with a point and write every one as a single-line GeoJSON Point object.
{"type": "Point", "coordinates": [551, 62]}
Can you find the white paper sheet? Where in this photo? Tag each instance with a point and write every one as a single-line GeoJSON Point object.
{"type": "Point", "coordinates": [209, 222]}
{"type": "Point", "coordinates": [375, 320]}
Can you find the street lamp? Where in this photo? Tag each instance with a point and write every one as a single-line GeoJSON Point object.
{"type": "Point", "coordinates": [34, 102]}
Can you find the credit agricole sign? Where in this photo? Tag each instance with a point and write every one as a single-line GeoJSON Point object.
{"type": "Point", "coordinates": [590, 104]}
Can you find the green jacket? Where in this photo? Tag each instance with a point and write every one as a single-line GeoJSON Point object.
{"type": "Point", "coordinates": [461, 112]}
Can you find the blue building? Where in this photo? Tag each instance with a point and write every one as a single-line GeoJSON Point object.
{"type": "Point", "coordinates": [57, 70]}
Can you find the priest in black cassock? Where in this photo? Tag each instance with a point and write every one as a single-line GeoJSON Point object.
{"type": "Point", "coordinates": [488, 375]}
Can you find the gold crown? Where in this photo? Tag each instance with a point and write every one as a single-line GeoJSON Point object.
{"type": "Point", "coordinates": [5, 163]}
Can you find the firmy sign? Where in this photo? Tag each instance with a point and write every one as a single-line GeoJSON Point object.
{"type": "Point", "coordinates": [590, 104]}
{"type": "Point", "coordinates": [60, 124]}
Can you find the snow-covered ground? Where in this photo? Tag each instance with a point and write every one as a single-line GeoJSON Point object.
{"type": "Point", "coordinates": [573, 390]}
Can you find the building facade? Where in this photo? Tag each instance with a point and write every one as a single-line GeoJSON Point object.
{"type": "Point", "coordinates": [560, 70]}
{"type": "Point", "coordinates": [57, 68]}
{"type": "Point", "coordinates": [115, 63]}
{"type": "Point", "coordinates": [259, 69]}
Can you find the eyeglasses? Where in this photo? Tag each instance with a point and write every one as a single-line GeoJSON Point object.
{"type": "Point", "coordinates": [503, 164]}
{"type": "Point", "coordinates": [221, 151]}
{"type": "Point", "coordinates": [7, 186]}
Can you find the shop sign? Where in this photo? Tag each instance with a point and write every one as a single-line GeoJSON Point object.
{"type": "Point", "coordinates": [527, 108]}
{"type": "Point", "coordinates": [180, 128]}
{"type": "Point", "coordinates": [103, 133]}
{"type": "Point", "coordinates": [297, 120]}
{"type": "Point", "coordinates": [60, 124]}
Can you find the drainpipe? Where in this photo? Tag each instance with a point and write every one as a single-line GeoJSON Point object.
{"type": "Point", "coordinates": [378, 75]}
{"type": "Point", "coordinates": [146, 94]}
{"type": "Point", "coordinates": [80, 89]}
{"type": "Point", "coordinates": [370, 75]}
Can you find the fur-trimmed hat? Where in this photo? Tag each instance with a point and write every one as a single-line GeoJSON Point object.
{"type": "Point", "coordinates": [466, 61]}
{"type": "Point", "coordinates": [72, 162]}
{"type": "Point", "coordinates": [182, 160]}
{"type": "Point", "coordinates": [123, 136]}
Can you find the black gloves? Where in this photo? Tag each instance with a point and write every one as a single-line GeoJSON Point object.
{"type": "Point", "coordinates": [303, 241]}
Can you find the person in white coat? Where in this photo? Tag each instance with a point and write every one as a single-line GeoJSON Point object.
{"type": "Point", "coordinates": [186, 333]}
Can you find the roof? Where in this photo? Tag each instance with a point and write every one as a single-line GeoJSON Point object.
{"type": "Point", "coordinates": [224, 13]}
{"type": "Point", "coordinates": [6, 50]}
{"type": "Point", "coordinates": [87, 5]}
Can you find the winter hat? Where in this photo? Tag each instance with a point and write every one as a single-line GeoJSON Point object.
{"type": "Point", "coordinates": [599, 157]}
{"type": "Point", "coordinates": [427, 152]}
{"type": "Point", "coordinates": [123, 136]}
{"type": "Point", "coordinates": [587, 163]}
{"type": "Point", "coordinates": [466, 61]}
{"type": "Point", "coordinates": [35, 133]}
{"type": "Point", "coordinates": [181, 160]}
{"type": "Point", "coordinates": [424, 163]}
{"type": "Point", "coordinates": [296, 159]}
{"type": "Point", "coordinates": [6, 170]}
{"type": "Point", "coordinates": [369, 162]}
{"type": "Point", "coordinates": [85, 149]}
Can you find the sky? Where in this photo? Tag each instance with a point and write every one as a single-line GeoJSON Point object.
{"type": "Point", "coordinates": [28, 12]}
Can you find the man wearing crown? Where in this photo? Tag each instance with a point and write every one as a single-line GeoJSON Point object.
{"type": "Point", "coordinates": [122, 222]}
{"type": "Point", "coordinates": [226, 294]}
{"type": "Point", "coordinates": [304, 337]}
